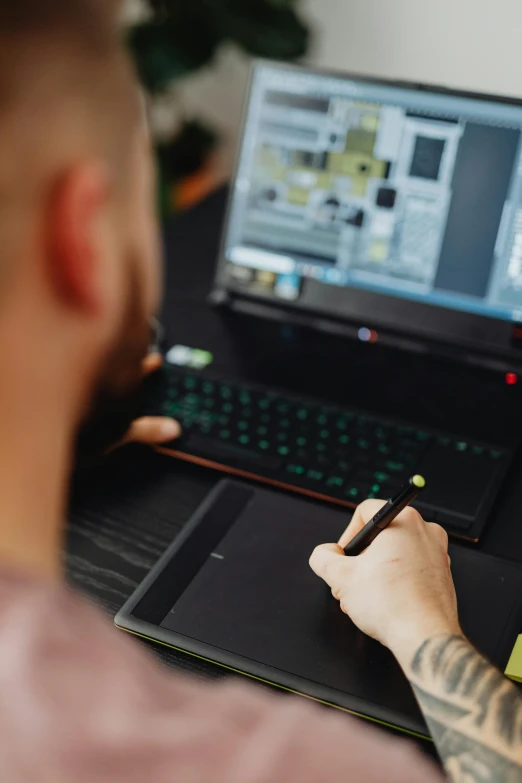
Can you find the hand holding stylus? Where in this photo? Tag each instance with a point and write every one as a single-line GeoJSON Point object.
{"type": "Point", "coordinates": [400, 589]}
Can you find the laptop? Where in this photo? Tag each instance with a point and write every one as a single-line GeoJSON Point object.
{"type": "Point", "coordinates": [371, 275]}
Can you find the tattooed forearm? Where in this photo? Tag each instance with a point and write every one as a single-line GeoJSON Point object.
{"type": "Point", "coordinates": [474, 713]}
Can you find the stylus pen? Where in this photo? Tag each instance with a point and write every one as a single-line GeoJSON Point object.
{"type": "Point", "coordinates": [385, 516]}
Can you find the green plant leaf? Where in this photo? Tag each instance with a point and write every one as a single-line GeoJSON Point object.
{"type": "Point", "coordinates": [184, 36]}
{"type": "Point", "coordinates": [167, 50]}
{"type": "Point", "coordinates": [265, 28]}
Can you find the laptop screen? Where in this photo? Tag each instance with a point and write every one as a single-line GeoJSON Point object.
{"type": "Point", "coordinates": [348, 185]}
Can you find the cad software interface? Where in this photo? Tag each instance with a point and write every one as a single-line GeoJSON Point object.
{"type": "Point", "coordinates": [406, 192]}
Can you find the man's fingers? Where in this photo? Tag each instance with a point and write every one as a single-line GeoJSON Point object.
{"type": "Point", "coordinates": [361, 517]}
{"type": "Point", "coordinates": [329, 562]}
{"type": "Point", "coordinates": [153, 430]}
{"type": "Point", "coordinates": [152, 363]}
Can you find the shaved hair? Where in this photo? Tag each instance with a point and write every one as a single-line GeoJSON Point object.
{"type": "Point", "coordinates": [66, 57]}
{"type": "Point", "coordinates": [67, 93]}
{"type": "Point", "coordinates": [39, 16]}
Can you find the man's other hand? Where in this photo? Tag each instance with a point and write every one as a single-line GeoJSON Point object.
{"type": "Point", "coordinates": [399, 590]}
{"type": "Point", "coordinates": [151, 430]}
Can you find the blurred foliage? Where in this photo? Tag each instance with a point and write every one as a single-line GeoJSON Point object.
{"type": "Point", "coordinates": [184, 35]}
{"type": "Point", "coordinates": [193, 144]}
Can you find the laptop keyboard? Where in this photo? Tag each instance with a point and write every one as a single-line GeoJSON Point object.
{"type": "Point", "coordinates": [336, 453]}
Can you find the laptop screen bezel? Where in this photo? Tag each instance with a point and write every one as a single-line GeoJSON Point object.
{"type": "Point", "coordinates": [360, 307]}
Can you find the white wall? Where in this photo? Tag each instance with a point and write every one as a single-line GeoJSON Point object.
{"type": "Point", "coordinates": [467, 43]}
{"type": "Point", "coordinates": [474, 44]}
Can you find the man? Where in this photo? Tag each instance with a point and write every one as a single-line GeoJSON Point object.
{"type": "Point", "coordinates": [79, 279]}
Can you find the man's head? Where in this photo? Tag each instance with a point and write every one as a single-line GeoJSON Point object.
{"type": "Point", "coordinates": [79, 259]}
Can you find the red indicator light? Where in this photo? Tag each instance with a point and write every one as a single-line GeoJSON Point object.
{"type": "Point", "coordinates": [511, 378]}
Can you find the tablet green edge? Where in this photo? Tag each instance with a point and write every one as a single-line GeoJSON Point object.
{"type": "Point", "coordinates": [275, 685]}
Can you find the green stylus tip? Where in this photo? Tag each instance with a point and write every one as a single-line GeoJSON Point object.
{"type": "Point", "coordinates": [419, 482]}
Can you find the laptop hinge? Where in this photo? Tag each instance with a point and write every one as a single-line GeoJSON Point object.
{"type": "Point", "coordinates": [228, 300]}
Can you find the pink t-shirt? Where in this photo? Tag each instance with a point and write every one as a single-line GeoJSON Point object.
{"type": "Point", "coordinates": [83, 703]}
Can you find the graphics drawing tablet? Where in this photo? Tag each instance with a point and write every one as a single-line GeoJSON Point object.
{"type": "Point", "coordinates": [235, 588]}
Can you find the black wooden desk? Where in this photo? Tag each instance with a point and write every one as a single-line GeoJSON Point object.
{"type": "Point", "coordinates": [125, 514]}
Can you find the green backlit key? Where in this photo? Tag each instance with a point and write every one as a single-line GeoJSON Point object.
{"type": "Point", "coordinates": [395, 467]}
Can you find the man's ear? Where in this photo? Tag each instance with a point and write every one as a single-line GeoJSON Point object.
{"type": "Point", "coordinates": [76, 228]}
